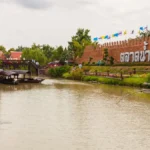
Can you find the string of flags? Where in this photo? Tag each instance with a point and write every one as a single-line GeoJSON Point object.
{"type": "Point", "coordinates": [121, 33]}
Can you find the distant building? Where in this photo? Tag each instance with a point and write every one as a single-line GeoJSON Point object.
{"type": "Point", "coordinates": [15, 55]}
{"type": "Point", "coordinates": [2, 56]}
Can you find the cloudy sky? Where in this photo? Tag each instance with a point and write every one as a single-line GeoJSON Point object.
{"type": "Point", "coordinates": [23, 22]}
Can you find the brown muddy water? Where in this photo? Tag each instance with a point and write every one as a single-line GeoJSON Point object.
{"type": "Point", "coordinates": [68, 115]}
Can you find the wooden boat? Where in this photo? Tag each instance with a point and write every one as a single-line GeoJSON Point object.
{"type": "Point", "coordinates": [9, 81]}
{"type": "Point", "coordinates": [5, 78]}
{"type": "Point", "coordinates": [31, 80]}
{"type": "Point", "coordinates": [25, 79]}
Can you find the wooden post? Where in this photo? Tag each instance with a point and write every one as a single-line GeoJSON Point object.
{"type": "Point", "coordinates": [107, 72]}
{"type": "Point", "coordinates": [134, 70]}
{"type": "Point", "coordinates": [96, 72]}
{"type": "Point", "coordinates": [121, 75]}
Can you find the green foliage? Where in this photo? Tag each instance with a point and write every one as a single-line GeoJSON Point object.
{"type": "Point", "coordinates": [67, 75]}
{"type": "Point", "coordinates": [90, 59]}
{"type": "Point", "coordinates": [2, 48]}
{"type": "Point", "coordinates": [78, 43]}
{"type": "Point", "coordinates": [111, 59]}
{"type": "Point", "coordinates": [134, 81]}
{"type": "Point", "coordinates": [58, 71]}
{"type": "Point", "coordinates": [57, 53]}
{"type": "Point", "coordinates": [77, 74]}
{"type": "Point", "coordinates": [19, 49]}
{"type": "Point", "coordinates": [105, 54]}
{"type": "Point", "coordinates": [114, 81]}
{"type": "Point", "coordinates": [35, 54]}
{"type": "Point", "coordinates": [48, 51]}
{"type": "Point", "coordinates": [148, 78]}
{"type": "Point", "coordinates": [145, 34]}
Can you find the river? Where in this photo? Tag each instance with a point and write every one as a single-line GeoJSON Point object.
{"type": "Point", "coordinates": [70, 115]}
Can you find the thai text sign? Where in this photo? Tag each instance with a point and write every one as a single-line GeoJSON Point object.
{"type": "Point", "coordinates": [138, 56]}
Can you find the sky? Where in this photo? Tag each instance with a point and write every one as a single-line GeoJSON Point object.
{"type": "Point", "coordinates": [54, 22]}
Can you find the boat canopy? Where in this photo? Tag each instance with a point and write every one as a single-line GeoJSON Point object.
{"type": "Point", "coordinates": [21, 71]}
{"type": "Point", "coordinates": [13, 72]}
{"type": "Point", "coordinates": [7, 73]}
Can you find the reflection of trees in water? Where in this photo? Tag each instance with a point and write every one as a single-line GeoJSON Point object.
{"type": "Point", "coordinates": [21, 87]}
{"type": "Point", "coordinates": [126, 93]}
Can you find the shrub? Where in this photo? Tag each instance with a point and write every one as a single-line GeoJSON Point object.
{"type": "Point", "coordinates": [77, 74]}
{"type": "Point", "coordinates": [67, 75]}
{"type": "Point", "coordinates": [58, 71]}
{"type": "Point", "coordinates": [148, 78]}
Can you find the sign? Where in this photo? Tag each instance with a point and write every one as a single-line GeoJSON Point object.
{"type": "Point", "coordinates": [138, 56]}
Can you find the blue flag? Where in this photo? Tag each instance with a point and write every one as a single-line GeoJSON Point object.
{"type": "Point", "coordinates": [95, 39]}
{"type": "Point", "coordinates": [141, 28]}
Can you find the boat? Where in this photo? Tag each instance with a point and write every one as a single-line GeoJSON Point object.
{"type": "Point", "coordinates": [31, 80]}
{"type": "Point", "coordinates": [25, 79]}
{"type": "Point", "coordinates": [5, 78]}
{"type": "Point", "coordinates": [9, 81]}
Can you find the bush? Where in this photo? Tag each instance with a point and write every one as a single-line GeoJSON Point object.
{"type": "Point", "coordinates": [77, 74]}
{"type": "Point", "coordinates": [58, 71]}
{"type": "Point", "coordinates": [67, 76]}
{"type": "Point", "coordinates": [148, 78]}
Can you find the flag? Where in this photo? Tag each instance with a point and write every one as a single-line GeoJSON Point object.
{"type": "Point", "coordinates": [146, 28]}
{"type": "Point", "coordinates": [109, 37]}
{"type": "Point", "coordinates": [103, 37]}
{"type": "Point", "coordinates": [141, 28]}
{"type": "Point", "coordinates": [132, 32]}
{"type": "Point", "coordinates": [95, 39]}
{"type": "Point", "coordinates": [139, 32]}
{"type": "Point", "coordinates": [106, 37]}
{"type": "Point", "coordinates": [125, 32]}
{"type": "Point", "coordinates": [120, 33]}
{"type": "Point", "coordinates": [116, 34]}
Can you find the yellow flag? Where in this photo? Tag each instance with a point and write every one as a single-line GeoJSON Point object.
{"type": "Point", "coordinates": [125, 32]}
{"type": "Point", "coordinates": [139, 32]}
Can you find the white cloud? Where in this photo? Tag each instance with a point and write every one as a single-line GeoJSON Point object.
{"type": "Point", "coordinates": [55, 21]}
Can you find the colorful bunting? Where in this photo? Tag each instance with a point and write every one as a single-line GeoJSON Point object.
{"type": "Point", "coordinates": [121, 33]}
{"type": "Point", "coordinates": [125, 32]}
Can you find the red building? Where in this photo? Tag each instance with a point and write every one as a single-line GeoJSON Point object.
{"type": "Point", "coordinates": [15, 55]}
{"type": "Point", "coordinates": [2, 56]}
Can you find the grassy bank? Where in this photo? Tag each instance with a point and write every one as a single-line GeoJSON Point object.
{"type": "Point", "coordinates": [74, 73]}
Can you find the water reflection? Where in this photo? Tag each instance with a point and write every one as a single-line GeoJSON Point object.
{"type": "Point", "coordinates": [60, 114]}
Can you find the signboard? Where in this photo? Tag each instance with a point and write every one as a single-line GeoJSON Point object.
{"type": "Point", "coordinates": [138, 56]}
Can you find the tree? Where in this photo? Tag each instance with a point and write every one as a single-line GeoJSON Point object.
{"type": "Point", "coordinates": [64, 56]}
{"type": "Point", "coordinates": [105, 58]}
{"type": "Point", "coordinates": [48, 51]}
{"type": "Point", "coordinates": [2, 48]}
{"type": "Point", "coordinates": [57, 53]}
{"type": "Point", "coordinates": [144, 34]}
{"type": "Point", "coordinates": [19, 49]}
{"type": "Point", "coordinates": [35, 54]}
{"type": "Point", "coordinates": [78, 43]}
{"type": "Point", "coordinates": [11, 49]}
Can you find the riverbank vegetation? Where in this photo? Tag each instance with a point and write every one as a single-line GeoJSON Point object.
{"type": "Point", "coordinates": [87, 74]}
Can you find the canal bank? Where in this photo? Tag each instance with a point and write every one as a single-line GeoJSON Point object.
{"type": "Point", "coordinates": [138, 76]}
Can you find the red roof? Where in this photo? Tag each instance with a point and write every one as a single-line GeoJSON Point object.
{"type": "Point", "coordinates": [15, 55]}
{"type": "Point", "coordinates": [2, 56]}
